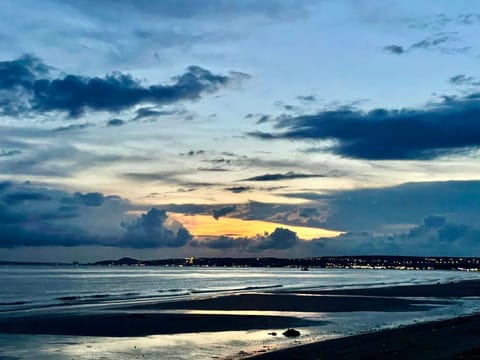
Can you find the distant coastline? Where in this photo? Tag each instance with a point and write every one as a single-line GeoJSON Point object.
{"type": "Point", "coordinates": [328, 262]}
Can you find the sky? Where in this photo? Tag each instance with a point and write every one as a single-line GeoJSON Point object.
{"type": "Point", "coordinates": [238, 128]}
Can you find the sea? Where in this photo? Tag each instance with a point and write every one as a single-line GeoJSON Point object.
{"type": "Point", "coordinates": [52, 288]}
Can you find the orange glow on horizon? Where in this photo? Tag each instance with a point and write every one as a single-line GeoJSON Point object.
{"type": "Point", "coordinates": [206, 225]}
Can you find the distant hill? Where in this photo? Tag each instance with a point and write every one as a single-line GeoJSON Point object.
{"type": "Point", "coordinates": [29, 263]}
{"type": "Point", "coordinates": [351, 262]}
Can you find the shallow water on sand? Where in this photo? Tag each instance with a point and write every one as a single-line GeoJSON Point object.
{"type": "Point", "coordinates": [50, 289]}
{"type": "Point", "coordinates": [35, 286]}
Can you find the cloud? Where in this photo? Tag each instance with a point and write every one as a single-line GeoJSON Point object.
{"type": "Point", "coordinates": [263, 119]}
{"type": "Point", "coordinates": [395, 49]}
{"type": "Point", "coordinates": [115, 122]}
{"type": "Point", "coordinates": [309, 212]}
{"type": "Point", "coordinates": [435, 236]}
{"type": "Point", "coordinates": [462, 80]}
{"type": "Point", "coordinates": [40, 217]}
{"type": "Point", "coordinates": [279, 239]}
{"type": "Point", "coordinates": [442, 42]}
{"type": "Point", "coordinates": [395, 206]}
{"type": "Point", "coordinates": [193, 153]}
{"type": "Point", "coordinates": [44, 157]}
{"type": "Point", "coordinates": [73, 127]}
{"type": "Point", "coordinates": [13, 152]}
{"type": "Point", "coordinates": [217, 213]}
{"type": "Point", "coordinates": [27, 85]}
{"type": "Point", "coordinates": [434, 41]}
{"type": "Point", "coordinates": [5, 185]}
{"type": "Point", "coordinates": [90, 199]}
{"type": "Point", "coordinates": [445, 128]}
{"type": "Point", "coordinates": [149, 112]}
{"type": "Point", "coordinates": [195, 9]}
{"type": "Point", "coordinates": [286, 176]}
{"type": "Point", "coordinates": [214, 169]}
{"type": "Point", "coordinates": [441, 21]}
{"type": "Point", "coordinates": [239, 189]}
{"type": "Point", "coordinates": [149, 231]}
{"type": "Point", "coordinates": [307, 98]}
{"type": "Point", "coordinates": [17, 197]}
{"type": "Point", "coordinates": [153, 176]}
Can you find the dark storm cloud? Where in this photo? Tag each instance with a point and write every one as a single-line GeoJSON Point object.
{"type": "Point", "coordinates": [218, 213]}
{"type": "Point", "coordinates": [17, 197]}
{"type": "Point", "coordinates": [90, 199]}
{"type": "Point", "coordinates": [407, 203]}
{"type": "Point", "coordinates": [279, 239]}
{"type": "Point", "coordinates": [435, 236]}
{"type": "Point", "coordinates": [26, 85]}
{"type": "Point", "coordinates": [286, 176]}
{"type": "Point", "coordinates": [4, 185]}
{"type": "Point", "coordinates": [149, 231]}
{"type": "Point", "coordinates": [21, 73]}
{"type": "Point", "coordinates": [35, 216]}
{"type": "Point", "coordinates": [444, 128]}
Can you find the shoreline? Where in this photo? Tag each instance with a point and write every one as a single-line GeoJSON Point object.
{"type": "Point", "coordinates": [455, 338]}
{"type": "Point", "coordinates": [451, 338]}
{"type": "Point", "coordinates": [315, 312]}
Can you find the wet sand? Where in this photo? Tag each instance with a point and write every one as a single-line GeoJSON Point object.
{"type": "Point", "coordinates": [295, 302]}
{"type": "Point", "coordinates": [119, 324]}
{"type": "Point", "coordinates": [155, 318]}
{"type": "Point", "coordinates": [465, 288]}
{"type": "Point", "coordinates": [438, 340]}
{"type": "Point", "coordinates": [441, 340]}
{"type": "Point", "coordinates": [457, 338]}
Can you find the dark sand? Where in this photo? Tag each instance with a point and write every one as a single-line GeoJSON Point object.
{"type": "Point", "coordinates": [459, 289]}
{"type": "Point", "coordinates": [153, 318]}
{"type": "Point", "coordinates": [293, 302]}
{"type": "Point", "coordinates": [141, 324]}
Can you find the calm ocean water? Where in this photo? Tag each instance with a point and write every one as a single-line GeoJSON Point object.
{"type": "Point", "coordinates": [47, 287]}
{"type": "Point", "coordinates": [38, 286]}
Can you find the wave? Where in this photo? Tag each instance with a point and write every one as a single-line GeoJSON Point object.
{"type": "Point", "coordinates": [195, 291]}
{"type": "Point", "coordinates": [92, 297]}
{"type": "Point", "coordinates": [13, 303]}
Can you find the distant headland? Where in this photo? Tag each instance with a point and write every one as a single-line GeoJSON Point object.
{"type": "Point", "coordinates": [328, 262]}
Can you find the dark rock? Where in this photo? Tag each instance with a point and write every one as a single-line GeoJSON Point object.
{"type": "Point", "coordinates": [273, 333]}
{"type": "Point", "coordinates": [291, 333]}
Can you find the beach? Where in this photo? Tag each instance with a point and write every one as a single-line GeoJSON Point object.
{"type": "Point", "coordinates": [457, 338]}
{"type": "Point", "coordinates": [429, 320]}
